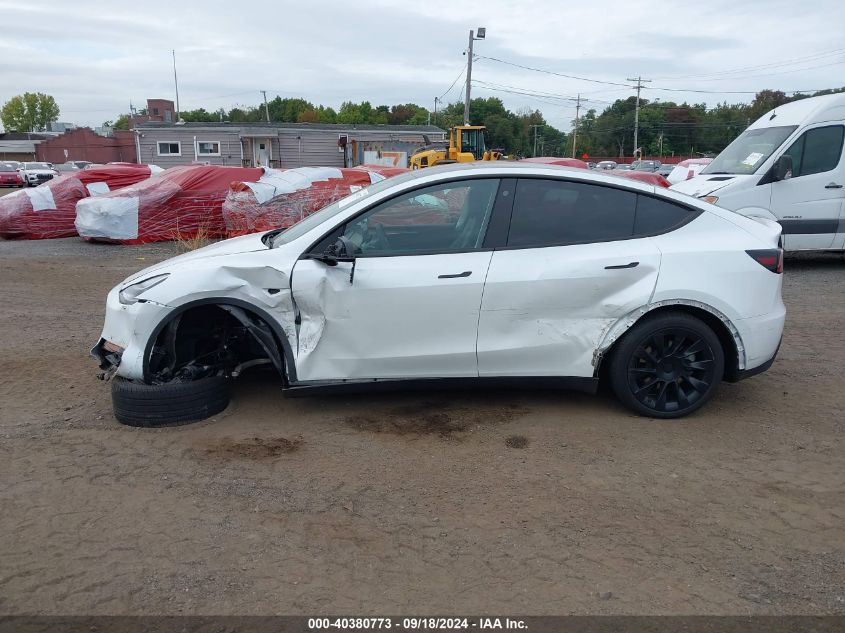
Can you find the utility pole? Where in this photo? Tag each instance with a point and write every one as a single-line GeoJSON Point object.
{"type": "Point", "coordinates": [266, 108]}
{"type": "Point", "coordinates": [535, 138]}
{"type": "Point", "coordinates": [640, 81]}
{"type": "Point", "coordinates": [176, 83]}
{"type": "Point", "coordinates": [575, 133]}
{"type": "Point", "coordinates": [660, 143]}
{"type": "Point", "coordinates": [482, 33]}
{"type": "Point", "coordinates": [434, 120]}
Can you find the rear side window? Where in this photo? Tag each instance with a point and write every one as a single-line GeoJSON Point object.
{"type": "Point", "coordinates": [556, 212]}
{"type": "Point", "coordinates": [658, 216]}
{"type": "Point", "coordinates": [816, 151]}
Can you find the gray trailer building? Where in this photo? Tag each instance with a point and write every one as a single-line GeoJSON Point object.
{"type": "Point", "coordinates": [280, 144]}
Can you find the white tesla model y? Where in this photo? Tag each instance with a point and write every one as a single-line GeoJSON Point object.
{"type": "Point", "coordinates": [484, 273]}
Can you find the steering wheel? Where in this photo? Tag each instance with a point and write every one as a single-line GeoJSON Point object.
{"type": "Point", "coordinates": [382, 243]}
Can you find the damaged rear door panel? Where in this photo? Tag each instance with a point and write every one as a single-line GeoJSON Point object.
{"type": "Point", "coordinates": [566, 275]}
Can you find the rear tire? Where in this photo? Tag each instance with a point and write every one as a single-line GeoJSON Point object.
{"type": "Point", "coordinates": [667, 365]}
{"type": "Point", "coordinates": [142, 405]}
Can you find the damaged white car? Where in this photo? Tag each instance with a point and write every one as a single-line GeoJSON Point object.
{"type": "Point", "coordinates": [498, 274]}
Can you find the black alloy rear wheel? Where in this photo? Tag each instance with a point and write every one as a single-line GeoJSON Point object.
{"type": "Point", "coordinates": [667, 366]}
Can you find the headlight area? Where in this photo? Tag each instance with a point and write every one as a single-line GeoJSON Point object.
{"type": "Point", "coordinates": [131, 294]}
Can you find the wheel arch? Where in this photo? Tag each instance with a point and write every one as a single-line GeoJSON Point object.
{"type": "Point", "coordinates": [725, 330]}
{"type": "Point", "coordinates": [288, 367]}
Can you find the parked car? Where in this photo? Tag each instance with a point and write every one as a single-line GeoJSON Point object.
{"type": "Point", "coordinates": [645, 165]}
{"type": "Point", "coordinates": [535, 274]}
{"type": "Point", "coordinates": [606, 164]}
{"type": "Point", "coordinates": [36, 173]}
{"type": "Point", "coordinates": [786, 166]}
{"type": "Point", "coordinates": [665, 170]}
{"type": "Point", "coordinates": [73, 165]}
{"type": "Point", "coordinates": [622, 167]}
{"type": "Point", "coordinates": [9, 176]}
{"type": "Point", "coordinates": [687, 169]}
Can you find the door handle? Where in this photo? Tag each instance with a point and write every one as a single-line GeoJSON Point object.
{"type": "Point", "coordinates": [620, 266]}
{"type": "Point", "coordinates": [466, 273]}
{"type": "Point", "coordinates": [833, 185]}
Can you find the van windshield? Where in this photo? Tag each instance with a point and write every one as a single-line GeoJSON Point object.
{"type": "Point", "coordinates": [749, 150]}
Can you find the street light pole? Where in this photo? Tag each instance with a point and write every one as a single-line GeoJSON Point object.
{"type": "Point", "coordinates": [482, 33]}
{"type": "Point", "coordinates": [575, 132]}
{"type": "Point", "coordinates": [535, 138]}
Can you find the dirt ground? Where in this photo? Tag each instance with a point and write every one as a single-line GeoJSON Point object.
{"type": "Point", "coordinates": [528, 502]}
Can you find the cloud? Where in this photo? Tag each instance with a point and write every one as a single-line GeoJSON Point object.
{"type": "Point", "coordinates": [96, 57]}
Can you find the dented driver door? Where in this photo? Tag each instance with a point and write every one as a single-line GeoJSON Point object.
{"type": "Point", "coordinates": [411, 308]}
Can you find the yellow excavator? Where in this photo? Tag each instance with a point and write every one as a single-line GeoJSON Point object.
{"type": "Point", "coordinates": [466, 144]}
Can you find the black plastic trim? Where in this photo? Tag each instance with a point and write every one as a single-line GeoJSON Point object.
{"type": "Point", "coordinates": [809, 227]}
{"type": "Point", "coordinates": [748, 373]}
{"type": "Point", "coordinates": [572, 383]}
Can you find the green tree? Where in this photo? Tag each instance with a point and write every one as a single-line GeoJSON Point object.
{"type": "Point", "coordinates": [122, 123]}
{"type": "Point", "coordinates": [29, 112]}
{"type": "Point", "coordinates": [200, 115]}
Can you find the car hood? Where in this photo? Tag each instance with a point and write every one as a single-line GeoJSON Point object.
{"type": "Point", "coordinates": [706, 184]}
{"type": "Point", "coordinates": [40, 171]}
{"type": "Point", "coordinates": [234, 246]}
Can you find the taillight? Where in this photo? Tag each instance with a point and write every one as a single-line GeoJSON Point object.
{"type": "Point", "coordinates": [769, 258]}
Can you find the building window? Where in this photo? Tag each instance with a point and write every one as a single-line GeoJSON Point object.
{"type": "Point", "coordinates": [208, 148]}
{"type": "Point", "coordinates": [155, 111]}
{"type": "Point", "coordinates": [168, 116]}
{"type": "Point", "coordinates": [169, 148]}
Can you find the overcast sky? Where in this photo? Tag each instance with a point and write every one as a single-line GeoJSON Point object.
{"type": "Point", "coordinates": [96, 57]}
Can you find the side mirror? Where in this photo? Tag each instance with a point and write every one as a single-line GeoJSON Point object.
{"type": "Point", "coordinates": [341, 250]}
{"type": "Point", "coordinates": [783, 168]}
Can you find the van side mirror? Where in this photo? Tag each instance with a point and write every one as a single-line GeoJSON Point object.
{"type": "Point", "coordinates": [783, 168]}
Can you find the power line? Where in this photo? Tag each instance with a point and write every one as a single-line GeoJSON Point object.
{"type": "Point", "coordinates": [613, 83]}
{"type": "Point", "coordinates": [461, 74]}
{"type": "Point", "coordinates": [539, 92]}
{"type": "Point", "coordinates": [549, 72]}
{"type": "Point", "coordinates": [795, 60]}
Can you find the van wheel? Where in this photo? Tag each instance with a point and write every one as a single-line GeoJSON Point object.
{"type": "Point", "coordinates": [667, 366]}
{"type": "Point", "coordinates": [139, 404]}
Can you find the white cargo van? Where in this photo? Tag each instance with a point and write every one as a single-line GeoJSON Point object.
{"type": "Point", "coordinates": [786, 166]}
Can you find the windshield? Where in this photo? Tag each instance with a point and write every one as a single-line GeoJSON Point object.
{"type": "Point", "coordinates": [7, 168]}
{"type": "Point", "coordinates": [36, 166]}
{"type": "Point", "coordinates": [327, 213]}
{"type": "Point", "coordinates": [749, 150]}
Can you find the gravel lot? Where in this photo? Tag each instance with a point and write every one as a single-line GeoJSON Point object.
{"type": "Point", "coordinates": [524, 502]}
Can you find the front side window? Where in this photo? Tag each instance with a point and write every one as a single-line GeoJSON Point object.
{"type": "Point", "coordinates": [816, 151]}
{"type": "Point", "coordinates": [557, 212]}
{"type": "Point", "coordinates": [169, 148]}
{"type": "Point", "coordinates": [208, 148]}
{"type": "Point", "coordinates": [445, 217]}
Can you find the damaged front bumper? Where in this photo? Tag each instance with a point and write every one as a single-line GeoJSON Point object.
{"type": "Point", "coordinates": [126, 331]}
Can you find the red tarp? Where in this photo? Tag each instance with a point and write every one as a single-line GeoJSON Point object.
{"type": "Point", "coordinates": [552, 160]}
{"type": "Point", "coordinates": [282, 197]}
{"type": "Point", "coordinates": [648, 177]}
{"type": "Point", "coordinates": [181, 203]}
{"type": "Point", "coordinates": [49, 210]}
